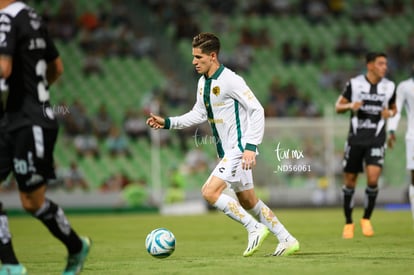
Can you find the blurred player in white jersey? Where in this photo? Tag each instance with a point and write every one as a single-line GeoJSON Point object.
{"type": "Point", "coordinates": [237, 121]}
{"type": "Point", "coordinates": [405, 100]}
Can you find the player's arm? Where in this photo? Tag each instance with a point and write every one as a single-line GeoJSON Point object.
{"type": "Point", "coordinates": [195, 116]}
{"type": "Point", "coordinates": [254, 134]}
{"type": "Point", "coordinates": [392, 123]}
{"type": "Point", "coordinates": [343, 103]}
{"type": "Point", "coordinates": [6, 65]}
{"type": "Point", "coordinates": [54, 70]}
{"type": "Point", "coordinates": [5, 71]}
{"type": "Point", "coordinates": [246, 98]}
{"type": "Point", "coordinates": [155, 121]}
{"type": "Point", "coordinates": [391, 109]}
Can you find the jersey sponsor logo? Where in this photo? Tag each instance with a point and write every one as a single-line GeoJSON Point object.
{"type": "Point", "coordinates": [219, 104]}
{"type": "Point", "coordinates": [373, 97]}
{"type": "Point", "coordinates": [366, 124]}
{"type": "Point", "coordinates": [216, 90]}
{"type": "Point", "coordinates": [216, 121]}
{"type": "Point", "coordinates": [37, 43]}
{"type": "Point", "coordinates": [221, 169]}
{"type": "Point", "coordinates": [371, 109]}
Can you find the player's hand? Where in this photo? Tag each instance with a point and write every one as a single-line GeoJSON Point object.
{"type": "Point", "coordinates": [354, 106]}
{"type": "Point", "coordinates": [248, 159]}
{"type": "Point", "coordinates": [391, 140]}
{"type": "Point", "coordinates": [387, 113]}
{"type": "Point", "coordinates": [155, 121]}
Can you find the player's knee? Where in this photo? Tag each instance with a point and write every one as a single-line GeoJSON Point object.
{"type": "Point", "coordinates": [210, 195]}
{"type": "Point", "coordinates": [248, 203]}
{"type": "Point", "coordinates": [31, 206]}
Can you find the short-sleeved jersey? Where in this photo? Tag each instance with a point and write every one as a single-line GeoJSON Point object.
{"type": "Point", "coordinates": [405, 100]}
{"type": "Point", "coordinates": [367, 127]}
{"type": "Point", "coordinates": [234, 113]}
{"type": "Point", "coordinates": [25, 39]}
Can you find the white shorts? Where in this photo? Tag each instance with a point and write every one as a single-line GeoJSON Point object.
{"type": "Point", "coordinates": [409, 152]}
{"type": "Point", "coordinates": [230, 170]}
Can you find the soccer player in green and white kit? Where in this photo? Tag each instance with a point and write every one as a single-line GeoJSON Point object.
{"type": "Point", "coordinates": [237, 121]}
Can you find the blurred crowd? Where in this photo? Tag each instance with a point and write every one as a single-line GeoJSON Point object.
{"type": "Point", "coordinates": [109, 30]}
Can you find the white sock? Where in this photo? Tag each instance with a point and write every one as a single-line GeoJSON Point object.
{"type": "Point", "coordinates": [411, 195]}
{"type": "Point", "coordinates": [5, 236]}
{"type": "Point", "coordinates": [233, 209]}
{"type": "Point", "coordinates": [266, 216]}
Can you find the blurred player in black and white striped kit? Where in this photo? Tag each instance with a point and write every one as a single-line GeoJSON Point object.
{"type": "Point", "coordinates": [29, 64]}
{"type": "Point", "coordinates": [370, 99]}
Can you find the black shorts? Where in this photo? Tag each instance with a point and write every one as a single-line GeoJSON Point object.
{"type": "Point", "coordinates": [28, 152]}
{"type": "Point", "coordinates": [356, 156]}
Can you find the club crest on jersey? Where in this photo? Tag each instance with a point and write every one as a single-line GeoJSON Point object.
{"type": "Point", "coordinates": [216, 90]}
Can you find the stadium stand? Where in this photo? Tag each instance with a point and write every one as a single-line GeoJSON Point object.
{"type": "Point", "coordinates": [128, 81]}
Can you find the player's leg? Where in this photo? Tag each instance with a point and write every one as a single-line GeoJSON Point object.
{"type": "Point", "coordinates": [287, 243]}
{"type": "Point", "coordinates": [10, 264]}
{"type": "Point", "coordinates": [9, 261]}
{"type": "Point", "coordinates": [371, 191]}
{"type": "Point", "coordinates": [212, 192]}
{"type": "Point", "coordinates": [411, 193]}
{"type": "Point", "coordinates": [54, 218]}
{"type": "Point", "coordinates": [374, 158]}
{"type": "Point", "coordinates": [409, 151]}
{"type": "Point", "coordinates": [353, 157]}
{"type": "Point", "coordinates": [33, 168]}
{"type": "Point", "coordinates": [348, 191]}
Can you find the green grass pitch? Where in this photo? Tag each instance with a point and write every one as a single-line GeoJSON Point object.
{"type": "Point", "coordinates": [213, 244]}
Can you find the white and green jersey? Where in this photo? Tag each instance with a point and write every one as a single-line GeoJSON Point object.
{"type": "Point", "coordinates": [405, 99]}
{"type": "Point", "coordinates": [234, 113]}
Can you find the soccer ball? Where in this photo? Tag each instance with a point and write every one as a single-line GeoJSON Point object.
{"type": "Point", "coordinates": [160, 243]}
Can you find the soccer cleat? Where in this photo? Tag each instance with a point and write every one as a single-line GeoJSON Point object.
{"type": "Point", "coordinates": [256, 239]}
{"type": "Point", "coordinates": [367, 229]}
{"type": "Point", "coordinates": [348, 232]}
{"type": "Point", "coordinates": [13, 269]}
{"type": "Point", "coordinates": [286, 248]}
{"type": "Point", "coordinates": [76, 261]}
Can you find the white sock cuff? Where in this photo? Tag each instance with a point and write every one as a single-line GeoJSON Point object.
{"type": "Point", "coordinates": [255, 211]}
{"type": "Point", "coordinates": [222, 201]}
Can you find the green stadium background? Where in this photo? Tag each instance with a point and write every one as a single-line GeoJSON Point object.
{"type": "Point", "coordinates": [128, 81]}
